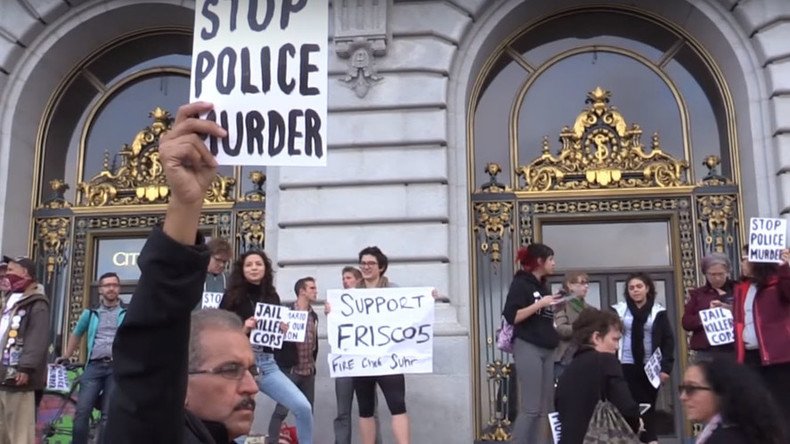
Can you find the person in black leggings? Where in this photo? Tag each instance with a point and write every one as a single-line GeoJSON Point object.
{"type": "Point", "coordinates": [373, 264]}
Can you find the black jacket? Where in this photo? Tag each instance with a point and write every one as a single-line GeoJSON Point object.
{"type": "Point", "coordinates": [726, 434]}
{"type": "Point", "coordinates": [151, 349]}
{"type": "Point", "coordinates": [288, 356]}
{"type": "Point", "coordinates": [537, 329]}
{"type": "Point", "coordinates": [589, 375]}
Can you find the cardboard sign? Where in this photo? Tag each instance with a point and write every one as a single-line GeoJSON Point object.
{"type": "Point", "coordinates": [556, 426]}
{"type": "Point", "coordinates": [718, 325]}
{"type": "Point", "coordinates": [767, 239]}
{"type": "Point", "coordinates": [267, 330]}
{"type": "Point", "coordinates": [297, 325]}
{"type": "Point", "coordinates": [211, 299]}
{"type": "Point", "coordinates": [381, 331]}
{"type": "Point", "coordinates": [653, 368]}
{"type": "Point", "coordinates": [263, 64]}
{"type": "Point", "coordinates": [57, 378]}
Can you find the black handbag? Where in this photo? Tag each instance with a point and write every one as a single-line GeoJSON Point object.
{"type": "Point", "coordinates": [607, 424]}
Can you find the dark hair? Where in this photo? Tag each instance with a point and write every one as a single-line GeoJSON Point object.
{"type": "Point", "coordinates": [644, 277]}
{"type": "Point", "coordinates": [591, 321]}
{"type": "Point", "coordinates": [353, 270]}
{"type": "Point", "coordinates": [381, 258]}
{"type": "Point", "coordinates": [744, 400]}
{"type": "Point", "coordinates": [219, 245]}
{"type": "Point", "coordinates": [239, 289]}
{"type": "Point", "coordinates": [528, 256]}
{"type": "Point", "coordinates": [302, 283]}
{"type": "Point", "coordinates": [109, 274]}
{"type": "Point", "coordinates": [761, 272]}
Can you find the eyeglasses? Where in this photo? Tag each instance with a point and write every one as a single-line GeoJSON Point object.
{"type": "Point", "coordinates": [691, 389]}
{"type": "Point", "coordinates": [232, 370]}
{"type": "Point", "coordinates": [220, 259]}
{"type": "Point", "coordinates": [368, 263]}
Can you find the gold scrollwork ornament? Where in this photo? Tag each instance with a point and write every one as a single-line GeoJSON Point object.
{"type": "Point", "coordinates": [493, 219]}
{"type": "Point", "coordinates": [52, 240]}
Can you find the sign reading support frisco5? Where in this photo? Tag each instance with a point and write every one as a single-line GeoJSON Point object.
{"type": "Point", "coordinates": [380, 331]}
{"type": "Point", "coordinates": [263, 64]}
{"type": "Point", "coordinates": [119, 256]}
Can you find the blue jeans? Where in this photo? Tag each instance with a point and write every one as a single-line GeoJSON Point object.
{"type": "Point", "coordinates": [276, 385]}
{"type": "Point", "coordinates": [96, 380]}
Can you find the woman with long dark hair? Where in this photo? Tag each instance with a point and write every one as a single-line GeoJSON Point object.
{"type": "Point", "coordinates": [528, 308]}
{"type": "Point", "coordinates": [732, 402]}
{"type": "Point", "coordinates": [252, 281]}
{"type": "Point", "coordinates": [762, 325]}
{"type": "Point", "coordinates": [646, 329]}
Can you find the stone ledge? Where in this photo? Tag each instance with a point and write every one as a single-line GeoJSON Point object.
{"type": "Point", "coordinates": [388, 127]}
{"type": "Point", "coordinates": [771, 43]}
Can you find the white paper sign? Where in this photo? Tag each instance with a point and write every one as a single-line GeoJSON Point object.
{"type": "Point", "coordinates": [556, 427]}
{"type": "Point", "coordinates": [57, 378]}
{"type": "Point", "coordinates": [381, 331]}
{"type": "Point", "coordinates": [718, 325]}
{"type": "Point", "coordinates": [297, 325]}
{"type": "Point", "coordinates": [267, 326]}
{"type": "Point", "coordinates": [767, 239]}
{"type": "Point", "coordinates": [653, 368]}
{"type": "Point", "coordinates": [211, 299]}
{"type": "Point", "coordinates": [263, 64]}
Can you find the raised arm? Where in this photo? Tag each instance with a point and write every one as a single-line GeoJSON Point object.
{"type": "Point", "coordinates": [151, 346]}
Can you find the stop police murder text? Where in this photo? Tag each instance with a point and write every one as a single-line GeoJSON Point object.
{"type": "Point", "coordinates": [232, 72]}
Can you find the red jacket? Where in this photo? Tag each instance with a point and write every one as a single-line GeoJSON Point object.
{"type": "Point", "coordinates": [700, 299]}
{"type": "Point", "coordinates": [771, 318]}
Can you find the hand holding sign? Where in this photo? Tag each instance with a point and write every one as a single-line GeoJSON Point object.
{"type": "Point", "coordinates": [268, 330]}
{"type": "Point", "coordinates": [767, 240]}
{"type": "Point", "coordinates": [718, 325]}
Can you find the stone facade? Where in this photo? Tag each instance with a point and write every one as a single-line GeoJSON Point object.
{"type": "Point", "coordinates": [397, 134]}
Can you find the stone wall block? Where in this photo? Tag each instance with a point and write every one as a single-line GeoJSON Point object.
{"type": "Point", "coordinates": [756, 14]}
{"type": "Point", "coordinates": [778, 74]}
{"type": "Point", "coordinates": [393, 90]}
{"type": "Point", "coordinates": [310, 207]}
{"type": "Point", "coordinates": [408, 241]}
{"type": "Point", "coordinates": [781, 114]}
{"type": "Point", "coordinates": [771, 43]}
{"type": "Point", "coordinates": [434, 17]}
{"type": "Point", "coordinates": [370, 165]}
{"type": "Point", "coordinates": [387, 127]}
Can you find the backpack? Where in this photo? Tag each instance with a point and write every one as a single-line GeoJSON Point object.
{"type": "Point", "coordinates": [504, 337]}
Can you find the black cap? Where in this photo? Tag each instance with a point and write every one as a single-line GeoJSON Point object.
{"type": "Point", "coordinates": [28, 264]}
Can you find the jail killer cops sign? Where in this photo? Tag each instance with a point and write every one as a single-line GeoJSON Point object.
{"type": "Point", "coordinates": [767, 239]}
{"type": "Point", "coordinates": [382, 331]}
{"type": "Point", "coordinates": [263, 64]}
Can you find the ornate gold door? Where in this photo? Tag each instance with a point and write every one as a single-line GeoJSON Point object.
{"type": "Point", "coordinates": [601, 182]}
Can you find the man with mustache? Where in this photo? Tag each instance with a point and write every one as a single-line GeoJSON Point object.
{"type": "Point", "coordinates": [24, 334]}
{"type": "Point", "coordinates": [176, 382]}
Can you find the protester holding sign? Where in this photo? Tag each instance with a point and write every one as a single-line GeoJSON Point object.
{"type": "Point", "coordinates": [252, 283]}
{"type": "Point", "coordinates": [216, 276]}
{"type": "Point", "coordinates": [593, 374]}
{"type": "Point", "coordinates": [528, 308]}
{"type": "Point", "coordinates": [297, 359]}
{"type": "Point", "coordinates": [373, 264]}
{"type": "Point", "coordinates": [646, 329]}
{"type": "Point", "coordinates": [762, 325]}
{"type": "Point", "coordinates": [717, 292]}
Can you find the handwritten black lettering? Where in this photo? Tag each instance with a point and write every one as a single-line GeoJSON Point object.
{"type": "Point", "coordinates": [212, 17]}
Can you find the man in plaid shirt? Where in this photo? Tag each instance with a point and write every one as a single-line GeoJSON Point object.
{"type": "Point", "coordinates": [297, 359]}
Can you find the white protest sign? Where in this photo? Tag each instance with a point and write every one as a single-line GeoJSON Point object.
{"type": "Point", "coordinates": [767, 239]}
{"type": "Point", "coordinates": [297, 325]}
{"type": "Point", "coordinates": [380, 331]}
{"type": "Point", "coordinates": [211, 299]}
{"type": "Point", "coordinates": [556, 426]}
{"type": "Point", "coordinates": [267, 326]}
{"type": "Point", "coordinates": [57, 378]}
{"type": "Point", "coordinates": [263, 64]}
{"type": "Point", "coordinates": [718, 325]}
{"type": "Point", "coordinates": [653, 368]}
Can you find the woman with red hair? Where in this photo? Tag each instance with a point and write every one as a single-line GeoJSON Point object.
{"type": "Point", "coordinates": [529, 309]}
